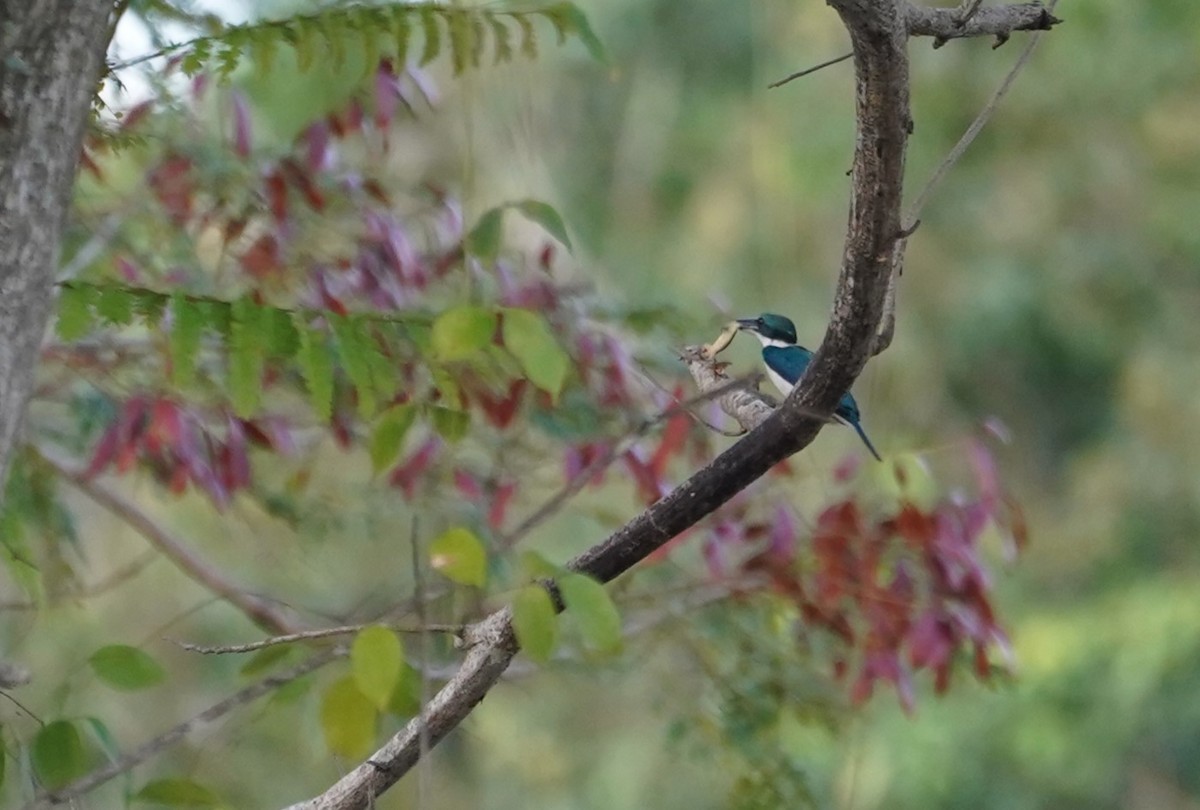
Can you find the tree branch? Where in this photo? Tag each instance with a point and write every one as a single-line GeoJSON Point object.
{"type": "Point", "coordinates": [878, 33]}
{"type": "Point", "coordinates": [944, 24]}
{"type": "Point", "coordinates": [126, 762]}
{"type": "Point", "coordinates": [263, 613]}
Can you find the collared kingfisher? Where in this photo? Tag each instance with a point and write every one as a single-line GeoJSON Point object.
{"type": "Point", "coordinates": [786, 361]}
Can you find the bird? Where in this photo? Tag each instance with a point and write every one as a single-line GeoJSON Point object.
{"type": "Point", "coordinates": [786, 361]}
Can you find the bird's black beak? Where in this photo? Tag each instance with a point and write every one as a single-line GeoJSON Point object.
{"type": "Point", "coordinates": [746, 323]}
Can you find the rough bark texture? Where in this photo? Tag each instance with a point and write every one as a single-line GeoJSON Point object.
{"type": "Point", "coordinates": [50, 59]}
{"type": "Point", "coordinates": [999, 21]}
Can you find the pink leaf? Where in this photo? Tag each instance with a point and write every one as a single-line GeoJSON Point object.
{"type": "Point", "coordinates": [241, 125]}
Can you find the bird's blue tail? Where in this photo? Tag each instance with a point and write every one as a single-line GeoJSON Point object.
{"type": "Point", "coordinates": [862, 434]}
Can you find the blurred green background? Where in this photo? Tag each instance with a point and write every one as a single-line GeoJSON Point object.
{"type": "Point", "coordinates": [1053, 285]}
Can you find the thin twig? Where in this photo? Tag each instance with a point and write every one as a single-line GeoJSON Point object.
{"type": "Point", "coordinates": [98, 588]}
{"type": "Point", "coordinates": [312, 635]}
{"type": "Point", "coordinates": [974, 129]}
{"type": "Point", "coordinates": [260, 611]}
{"type": "Point", "coordinates": [419, 595]}
{"type": "Point", "coordinates": [93, 247]}
{"type": "Point", "coordinates": [807, 71]}
{"type": "Point", "coordinates": [615, 450]}
{"type": "Point", "coordinates": [126, 762]}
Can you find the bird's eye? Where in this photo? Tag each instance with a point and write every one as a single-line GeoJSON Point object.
{"type": "Point", "coordinates": [760, 321]}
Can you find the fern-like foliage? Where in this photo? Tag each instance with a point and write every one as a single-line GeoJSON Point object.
{"type": "Point", "coordinates": [403, 31]}
{"type": "Point", "coordinates": [249, 335]}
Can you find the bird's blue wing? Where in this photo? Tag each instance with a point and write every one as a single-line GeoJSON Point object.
{"type": "Point", "coordinates": [788, 362]}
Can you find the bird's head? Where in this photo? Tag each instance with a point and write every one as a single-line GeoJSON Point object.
{"type": "Point", "coordinates": [770, 327]}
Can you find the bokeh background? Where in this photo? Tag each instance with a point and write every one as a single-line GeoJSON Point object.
{"type": "Point", "coordinates": [1053, 285]}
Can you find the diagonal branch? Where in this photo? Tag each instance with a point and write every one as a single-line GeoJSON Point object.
{"type": "Point", "coordinates": [70, 792]}
{"type": "Point", "coordinates": [878, 33]}
{"type": "Point", "coordinates": [260, 611]}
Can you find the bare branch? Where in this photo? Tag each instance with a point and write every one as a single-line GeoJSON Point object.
{"type": "Point", "coordinates": [263, 613]}
{"type": "Point", "coordinates": [801, 73]}
{"type": "Point", "coordinates": [944, 24]}
{"type": "Point", "coordinates": [877, 31]}
{"type": "Point", "coordinates": [313, 635]}
{"type": "Point", "coordinates": [204, 719]}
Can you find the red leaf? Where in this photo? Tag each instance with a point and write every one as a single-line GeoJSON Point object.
{"type": "Point", "coordinates": [649, 487]}
{"type": "Point", "coordinates": [408, 474]}
{"type": "Point", "coordinates": [467, 485]}
{"type": "Point", "coordinates": [316, 142]}
{"type": "Point", "coordinates": [241, 125]}
{"type": "Point", "coordinates": [172, 183]}
{"type": "Point", "coordinates": [303, 182]}
{"type": "Point", "coordinates": [90, 165]}
{"type": "Point", "coordinates": [236, 472]}
{"type": "Point", "coordinates": [135, 114]}
{"type": "Point", "coordinates": [499, 410]}
{"type": "Point", "coordinates": [262, 260]}
{"type": "Point", "coordinates": [275, 188]}
{"type": "Point", "coordinates": [105, 452]}
{"type": "Point", "coordinates": [387, 94]}
{"type": "Point", "coordinates": [931, 642]}
{"type": "Point", "coordinates": [914, 526]}
{"type": "Point", "coordinates": [500, 500]}
{"type": "Point", "coordinates": [673, 439]}
{"type": "Point", "coordinates": [164, 429]}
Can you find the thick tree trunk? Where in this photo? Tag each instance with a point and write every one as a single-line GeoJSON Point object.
{"type": "Point", "coordinates": [50, 58]}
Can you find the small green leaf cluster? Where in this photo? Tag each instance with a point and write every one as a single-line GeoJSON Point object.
{"type": "Point", "coordinates": [536, 620]}
{"type": "Point", "coordinates": [389, 30]}
{"type": "Point", "coordinates": [380, 681]}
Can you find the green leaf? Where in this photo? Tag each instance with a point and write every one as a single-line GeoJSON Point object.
{"type": "Point", "coordinates": [58, 755]}
{"type": "Point", "coordinates": [354, 345]}
{"type": "Point", "coordinates": [535, 622]}
{"type": "Point", "coordinates": [125, 667]}
{"type": "Point", "coordinates": [316, 366]}
{"type": "Point", "coordinates": [452, 425]}
{"type": "Point", "coordinates": [187, 327]}
{"type": "Point", "coordinates": [150, 305]}
{"type": "Point", "coordinates": [460, 332]}
{"type": "Point", "coordinates": [246, 344]}
{"type": "Point", "coordinates": [578, 24]}
{"type": "Point", "coordinates": [115, 305]}
{"type": "Point", "coordinates": [74, 311]}
{"type": "Point", "coordinates": [433, 40]}
{"type": "Point", "coordinates": [545, 215]}
{"type": "Point", "coordinates": [377, 659]}
{"type": "Point", "coordinates": [594, 611]}
{"type": "Point", "coordinates": [529, 45]}
{"type": "Point", "coordinates": [388, 437]}
{"type": "Point", "coordinates": [347, 719]}
{"type": "Point", "coordinates": [484, 239]}
{"type": "Point", "coordinates": [401, 31]}
{"type": "Point", "coordinates": [460, 39]}
{"type": "Point", "coordinates": [283, 340]}
{"type": "Point", "coordinates": [406, 697]}
{"type": "Point", "coordinates": [502, 36]}
{"type": "Point", "coordinates": [3, 764]}
{"type": "Point", "coordinates": [542, 359]}
{"type": "Point", "coordinates": [305, 44]}
{"type": "Point", "coordinates": [536, 566]}
{"type": "Point", "coordinates": [459, 555]}
{"type": "Point", "coordinates": [177, 792]}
